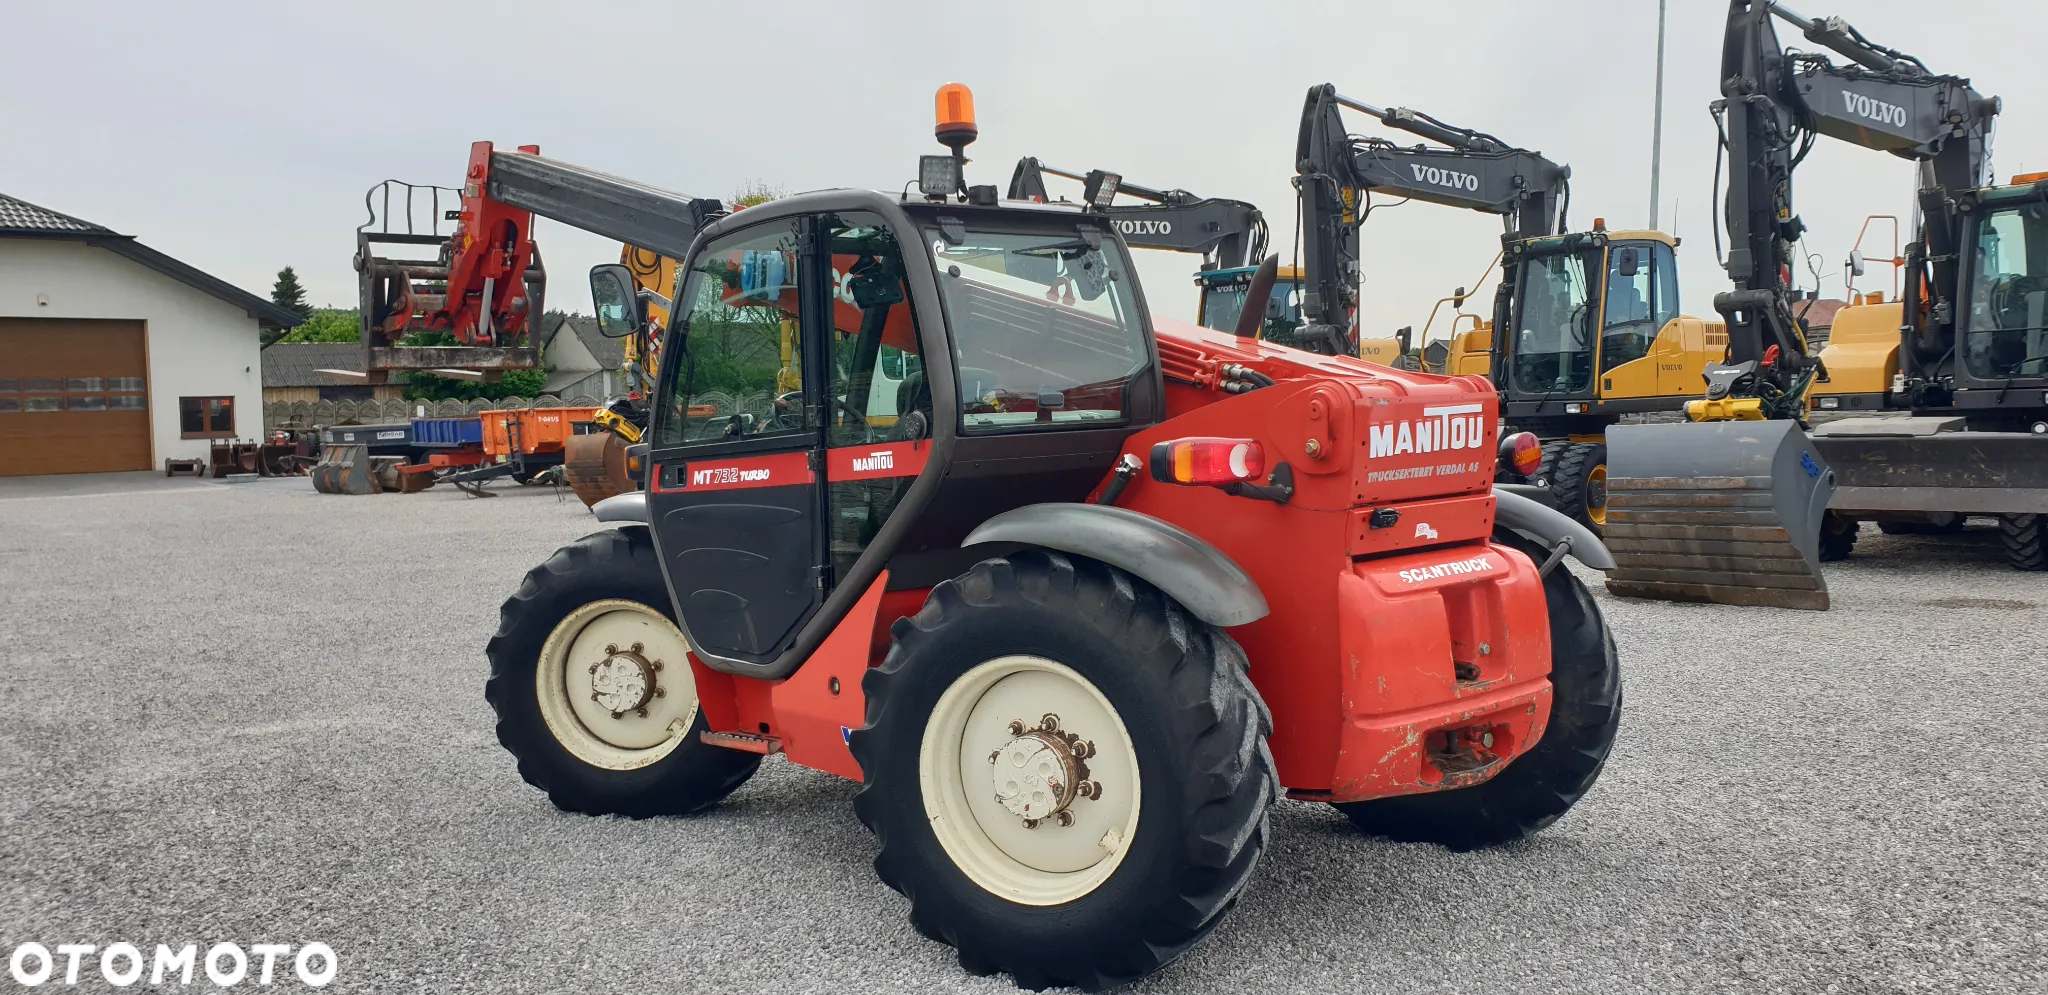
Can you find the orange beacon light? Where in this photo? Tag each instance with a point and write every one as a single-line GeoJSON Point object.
{"type": "Point", "coordinates": [955, 114]}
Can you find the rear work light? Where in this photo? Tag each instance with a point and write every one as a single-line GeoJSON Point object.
{"type": "Point", "coordinates": [1208, 462]}
{"type": "Point", "coordinates": [1521, 454]}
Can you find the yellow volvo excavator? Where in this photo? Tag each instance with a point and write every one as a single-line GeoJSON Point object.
{"type": "Point", "coordinates": [1741, 505]}
{"type": "Point", "coordinates": [1596, 329]}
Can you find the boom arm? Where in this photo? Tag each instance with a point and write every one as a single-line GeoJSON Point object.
{"type": "Point", "coordinates": [1773, 104]}
{"type": "Point", "coordinates": [478, 288]}
{"type": "Point", "coordinates": [1226, 233]}
{"type": "Point", "coordinates": [1337, 172]}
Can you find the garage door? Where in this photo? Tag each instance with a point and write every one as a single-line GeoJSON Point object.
{"type": "Point", "coordinates": [73, 396]}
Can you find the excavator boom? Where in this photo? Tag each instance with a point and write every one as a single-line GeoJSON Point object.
{"type": "Point", "coordinates": [1226, 233]}
{"type": "Point", "coordinates": [1337, 173]}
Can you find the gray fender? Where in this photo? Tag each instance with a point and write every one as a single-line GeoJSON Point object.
{"type": "Point", "coordinates": [1531, 516]}
{"type": "Point", "coordinates": [625, 508]}
{"type": "Point", "coordinates": [1192, 572]}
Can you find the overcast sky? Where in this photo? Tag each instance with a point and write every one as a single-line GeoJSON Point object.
{"type": "Point", "coordinates": [240, 137]}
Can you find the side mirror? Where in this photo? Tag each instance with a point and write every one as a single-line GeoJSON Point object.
{"type": "Point", "coordinates": [1458, 299]}
{"type": "Point", "coordinates": [615, 298]}
{"type": "Point", "coordinates": [1855, 263]}
{"type": "Point", "coordinates": [1625, 261]}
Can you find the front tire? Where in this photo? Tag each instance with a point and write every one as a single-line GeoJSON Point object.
{"type": "Point", "coordinates": [1170, 815]}
{"type": "Point", "coordinates": [1837, 537]}
{"type": "Point", "coordinates": [593, 689]}
{"type": "Point", "coordinates": [1543, 784]}
{"type": "Point", "coordinates": [1576, 473]}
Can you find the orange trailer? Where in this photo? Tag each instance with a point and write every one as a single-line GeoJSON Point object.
{"type": "Point", "coordinates": [522, 443]}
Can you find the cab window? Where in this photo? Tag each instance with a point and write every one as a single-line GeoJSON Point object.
{"type": "Point", "coordinates": [1045, 327]}
{"type": "Point", "coordinates": [735, 346]}
{"type": "Point", "coordinates": [2008, 325]}
{"type": "Point", "coordinates": [1626, 333]}
{"type": "Point", "coordinates": [877, 383]}
{"type": "Point", "coordinates": [1553, 338]}
{"type": "Point", "coordinates": [877, 372]}
{"type": "Point", "coordinates": [1664, 282]}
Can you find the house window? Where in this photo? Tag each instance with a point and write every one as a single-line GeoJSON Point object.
{"type": "Point", "coordinates": [206, 417]}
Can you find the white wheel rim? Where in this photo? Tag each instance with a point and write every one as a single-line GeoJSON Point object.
{"type": "Point", "coordinates": [974, 805]}
{"type": "Point", "coordinates": [593, 683]}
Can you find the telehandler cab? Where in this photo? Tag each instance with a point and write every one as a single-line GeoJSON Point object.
{"type": "Point", "coordinates": [1073, 592]}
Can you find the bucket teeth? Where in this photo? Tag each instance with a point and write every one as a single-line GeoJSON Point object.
{"type": "Point", "coordinates": [1724, 512]}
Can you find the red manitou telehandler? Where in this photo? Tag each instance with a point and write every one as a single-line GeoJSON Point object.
{"type": "Point", "coordinates": [932, 502]}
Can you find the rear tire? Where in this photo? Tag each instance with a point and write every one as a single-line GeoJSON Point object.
{"type": "Point", "coordinates": [1540, 786]}
{"type": "Point", "coordinates": [1576, 473]}
{"type": "Point", "coordinates": [567, 627]}
{"type": "Point", "coordinates": [2021, 535]}
{"type": "Point", "coordinates": [1174, 711]}
{"type": "Point", "coordinates": [1837, 537]}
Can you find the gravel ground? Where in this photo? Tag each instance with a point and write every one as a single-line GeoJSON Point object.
{"type": "Point", "coordinates": [248, 712]}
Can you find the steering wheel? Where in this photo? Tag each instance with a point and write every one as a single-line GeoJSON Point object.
{"type": "Point", "coordinates": [867, 432]}
{"type": "Point", "coordinates": [789, 415]}
{"type": "Point", "coordinates": [789, 412]}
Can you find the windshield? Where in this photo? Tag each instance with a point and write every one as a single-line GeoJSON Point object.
{"type": "Point", "coordinates": [1553, 332]}
{"type": "Point", "coordinates": [1045, 327]}
{"type": "Point", "coordinates": [2009, 294]}
{"type": "Point", "coordinates": [1223, 303]}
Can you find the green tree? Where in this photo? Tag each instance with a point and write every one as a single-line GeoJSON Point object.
{"type": "Point", "coordinates": [288, 294]}
{"type": "Point", "coordinates": [423, 386]}
{"type": "Point", "coordinates": [327, 324]}
{"type": "Point", "coordinates": [753, 193]}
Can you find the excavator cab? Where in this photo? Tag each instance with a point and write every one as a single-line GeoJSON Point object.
{"type": "Point", "coordinates": [2006, 337]}
{"type": "Point", "coordinates": [1589, 311]}
{"type": "Point", "coordinates": [1223, 300]}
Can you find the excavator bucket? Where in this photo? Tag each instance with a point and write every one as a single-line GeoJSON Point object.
{"type": "Point", "coordinates": [344, 469]}
{"type": "Point", "coordinates": [595, 465]}
{"type": "Point", "coordinates": [1723, 512]}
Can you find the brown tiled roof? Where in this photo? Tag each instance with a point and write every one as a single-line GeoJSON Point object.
{"type": "Point", "coordinates": [1818, 314]}
{"type": "Point", "coordinates": [21, 216]}
{"type": "Point", "coordinates": [292, 364]}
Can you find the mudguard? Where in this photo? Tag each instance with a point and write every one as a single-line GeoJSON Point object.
{"type": "Point", "coordinates": [1547, 525]}
{"type": "Point", "coordinates": [630, 507]}
{"type": "Point", "coordinates": [1192, 572]}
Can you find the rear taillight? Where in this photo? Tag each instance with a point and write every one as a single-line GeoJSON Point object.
{"type": "Point", "coordinates": [1521, 454]}
{"type": "Point", "coordinates": [1207, 462]}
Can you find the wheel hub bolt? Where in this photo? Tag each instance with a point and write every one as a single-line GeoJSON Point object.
{"type": "Point", "coordinates": [624, 681]}
{"type": "Point", "coordinates": [1041, 771]}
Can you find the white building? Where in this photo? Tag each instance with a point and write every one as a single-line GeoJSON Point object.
{"type": "Point", "coordinates": [114, 356]}
{"type": "Point", "coordinates": [580, 361]}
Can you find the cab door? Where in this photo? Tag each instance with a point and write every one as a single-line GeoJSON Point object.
{"type": "Point", "coordinates": [734, 497]}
